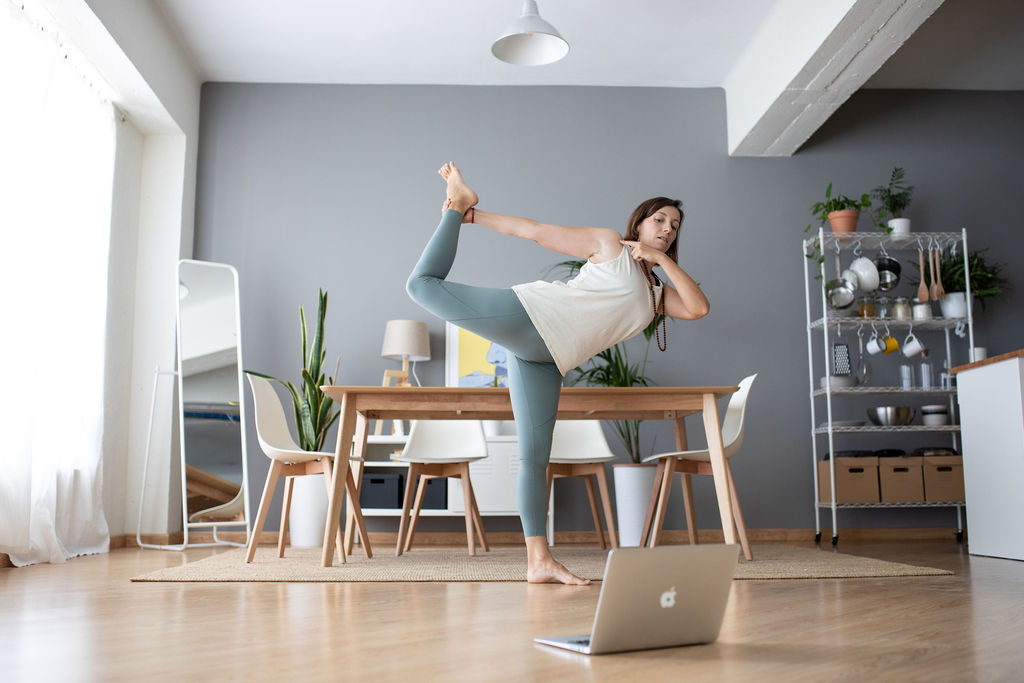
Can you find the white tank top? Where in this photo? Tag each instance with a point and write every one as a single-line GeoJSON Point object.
{"type": "Point", "coordinates": [605, 304]}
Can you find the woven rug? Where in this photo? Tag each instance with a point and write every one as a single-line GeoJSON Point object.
{"type": "Point", "coordinates": [771, 561]}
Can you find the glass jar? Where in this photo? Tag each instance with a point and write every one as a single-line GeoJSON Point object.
{"type": "Point", "coordinates": [927, 373]}
{"type": "Point", "coordinates": [883, 307]}
{"type": "Point", "coordinates": [907, 376]}
{"type": "Point", "coordinates": [901, 309]}
{"type": "Point", "coordinates": [866, 306]}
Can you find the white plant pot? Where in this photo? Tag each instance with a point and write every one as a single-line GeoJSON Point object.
{"type": "Point", "coordinates": [954, 305]}
{"type": "Point", "coordinates": [308, 515]}
{"type": "Point", "coordinates": [632, 493]}
{"type": "Point", "coordinates": [900, 226]}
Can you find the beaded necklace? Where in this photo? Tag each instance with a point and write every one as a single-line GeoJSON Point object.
{"type": "Point", "coordinates": [661, 336]}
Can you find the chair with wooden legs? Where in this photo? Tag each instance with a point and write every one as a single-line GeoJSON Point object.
{"type": "Point", "coordinates": [699, 462]}
{"type": "Point", "coordinates": [290, 461]}
{"type": "Point", "coordinates": [441, 448]}
{"type": "Point", "coordinates": [579, 449]}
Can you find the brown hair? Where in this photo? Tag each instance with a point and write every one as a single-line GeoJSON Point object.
{"type": "Point", "coordinates": [648, 209]}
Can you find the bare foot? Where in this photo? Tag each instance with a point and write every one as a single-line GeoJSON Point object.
{"type": "Point", "coordinates": [552, 571]}
{"type": "Point", "coordinates": [460, 196]}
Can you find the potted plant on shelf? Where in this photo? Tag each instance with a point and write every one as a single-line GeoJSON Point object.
{"type": "Point", "coordinates": [894, 199]}
{"type": "Point", "coordinates": [987, 282]}
{"type": "Point", "coordinates": [840, 211]}
{"type": "Point", "coordinates": [842, 214]}
{"type": "Point", "coordinates": [314, 414]}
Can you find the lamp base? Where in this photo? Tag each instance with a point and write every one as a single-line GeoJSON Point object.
{"type": "Point", "coordinates": [401, 379]}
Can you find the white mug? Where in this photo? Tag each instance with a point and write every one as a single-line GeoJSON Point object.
{"type": "Point", "coordinates": [979, 353]}
{"type": "Point", "coordinates": [875, 345]}
{"type": "Point", "coordinates": [912, 346]}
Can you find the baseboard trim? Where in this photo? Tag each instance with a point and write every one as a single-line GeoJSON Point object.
{"type": "Point", "coordinates": [388, 539]}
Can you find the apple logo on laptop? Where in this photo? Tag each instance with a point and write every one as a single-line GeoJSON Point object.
{"type": "Point", "coordinates": [668, 598]}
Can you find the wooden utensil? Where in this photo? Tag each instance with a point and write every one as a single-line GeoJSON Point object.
{"type": "Point", "coordinates": [931, 266]}
{"type": "Point", "coordinates": [939, 293]}
{"type": "Point", "coordinates": [922, 289]}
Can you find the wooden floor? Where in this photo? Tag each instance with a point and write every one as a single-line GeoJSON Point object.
{"type": "Point", "coordinates": [85, 621]}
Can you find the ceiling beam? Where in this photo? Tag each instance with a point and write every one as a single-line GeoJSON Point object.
{"type": "Point", "coordinates": [813, 74]}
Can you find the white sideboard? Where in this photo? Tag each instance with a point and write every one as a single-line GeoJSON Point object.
{"type": "Point", "coordinates": [991, 396]}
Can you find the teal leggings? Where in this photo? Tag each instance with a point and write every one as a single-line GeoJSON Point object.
{"type": "Point", "coordinates": [533, 378]}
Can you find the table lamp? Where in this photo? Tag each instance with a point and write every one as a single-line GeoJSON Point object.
{"type": "Point", "coordinates": [404, 340]}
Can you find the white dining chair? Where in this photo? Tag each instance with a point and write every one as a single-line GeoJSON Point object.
{"type": "Point", "coordinates": [686, 463]}
{"type": "Point", "coordinates": [441, 448]}
{"type": "Point", "coordinates": [579, 449]}
{"type": "Point", "coordinates": [289, 461]}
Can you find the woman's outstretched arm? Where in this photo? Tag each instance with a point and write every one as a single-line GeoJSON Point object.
{"type": "Point", "coordinates": [598, 244]}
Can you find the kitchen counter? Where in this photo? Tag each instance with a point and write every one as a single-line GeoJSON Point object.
{"type": "Point", "coordinates": [1019, 353]}
{"type": "Point", "coordinates": [991, 396]}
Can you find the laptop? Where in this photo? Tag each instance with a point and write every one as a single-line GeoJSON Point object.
{"type": "Point", "coordinates": [658, 597]}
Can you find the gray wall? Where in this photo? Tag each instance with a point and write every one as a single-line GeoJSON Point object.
{"type": "Point", "coordinates": [302, 187]}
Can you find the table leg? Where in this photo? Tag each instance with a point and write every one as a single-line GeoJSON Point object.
{"type": "Point", "coordinates": [346, 427]}
{"type": "Point", "coordinates": [359, 451]}
{"type": "Point", "coordinates": [713, 431]}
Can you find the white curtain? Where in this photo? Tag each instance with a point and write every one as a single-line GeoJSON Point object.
{"type": "Point", "coordinates": [56, 170]}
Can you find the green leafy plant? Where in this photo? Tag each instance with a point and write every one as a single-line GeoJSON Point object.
{"type": "Point", "coordinates": [894, 198]}
{"type": "Point", "coordinates": [987, 279]}
{"type": "Point", "coordinates": [314, 410]}
{"type": "Point", "coordinates": [821, 210]}
{"type": "Point", "coordinates": [612, 368]}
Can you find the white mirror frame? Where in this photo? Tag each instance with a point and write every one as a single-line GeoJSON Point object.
{"type": "Point", "coordinates": [244, 492]}
{"type": "Point", "coordinates": [244, 487]}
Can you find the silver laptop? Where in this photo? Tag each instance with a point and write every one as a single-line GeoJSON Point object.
{"type": "Point", "coordinates": [658, 597]}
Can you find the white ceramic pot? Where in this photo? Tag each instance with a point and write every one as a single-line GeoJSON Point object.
{"type": "Point", "coordinates": [954, 305]}
{"type": "Point", "coordinates": [632, 494]}
{"type": "Point", "coordinates": [900, 226]}
{"type": "Point", "coordinates": [308, 514]}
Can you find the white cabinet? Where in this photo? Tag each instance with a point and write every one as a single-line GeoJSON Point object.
{"type": "Point", "coordinates": [828, 328]}
{"type": "Point", "coordinates": [992, 414]}
{"type": "Point", "coordinates": [494, 477]}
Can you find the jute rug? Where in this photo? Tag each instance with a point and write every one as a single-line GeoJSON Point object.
{"type": "Point", "coordinates": [771, 561]}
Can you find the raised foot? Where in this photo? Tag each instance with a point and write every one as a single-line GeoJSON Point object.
{"type": "Point", "coordinates": [554, 572]}
{"type": "Point", "coordinates": [459, 195]}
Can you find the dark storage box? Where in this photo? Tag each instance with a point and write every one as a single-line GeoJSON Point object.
{"type": "Point", "coordinates": [436, 495]}
{"type": "Point", "coordinates": [381, 491]}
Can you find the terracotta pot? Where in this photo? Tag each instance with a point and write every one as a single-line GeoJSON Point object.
{"type": "Point", "coordinates": [844, 221]}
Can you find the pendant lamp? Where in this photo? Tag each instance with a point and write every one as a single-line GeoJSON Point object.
{"type": "Point", "coordinates": [530, 41]}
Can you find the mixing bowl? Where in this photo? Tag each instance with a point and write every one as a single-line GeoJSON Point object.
{"type": "Point", "coordinates": [891, 416]}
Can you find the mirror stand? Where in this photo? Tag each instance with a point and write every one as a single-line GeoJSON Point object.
{"type": "Point", "coordinates": [211, 407]}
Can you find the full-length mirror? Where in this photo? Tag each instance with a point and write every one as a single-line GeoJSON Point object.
{"type": "Point", "coordinates": [211, 401]}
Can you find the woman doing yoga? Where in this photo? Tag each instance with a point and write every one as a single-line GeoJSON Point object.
{"type": "Point", "coordinates": [550, 328]}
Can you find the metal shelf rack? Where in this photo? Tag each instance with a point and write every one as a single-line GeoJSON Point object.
{"type": "Point", "coordinates": [831, 325]}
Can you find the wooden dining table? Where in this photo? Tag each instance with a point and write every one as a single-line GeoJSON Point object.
{"type": "Point", "coordinates": [360, 404]}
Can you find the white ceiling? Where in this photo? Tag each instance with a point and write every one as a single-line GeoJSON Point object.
{"type": "Point", "coordinates": [786, 65]}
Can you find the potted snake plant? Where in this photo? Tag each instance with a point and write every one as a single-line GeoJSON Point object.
{"type": "Point", "coordinates": [314, 414]}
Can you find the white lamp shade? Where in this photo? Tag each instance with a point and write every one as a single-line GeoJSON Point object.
{"type": "Point", "coordinates": [530, 41]}
{"type": "Point", "coordinates": [406, 339]}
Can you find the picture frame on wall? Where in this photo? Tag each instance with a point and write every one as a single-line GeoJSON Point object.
{"type": "Point", "coordinates": [472, 361]}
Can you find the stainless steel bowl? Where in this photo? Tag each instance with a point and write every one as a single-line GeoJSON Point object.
{"type": "Point", "coordinates": [888, 273]}
{"type": "Point", "coordinates": [841, 293]}
{"type": "Point", "coordinates": [891, 416]}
